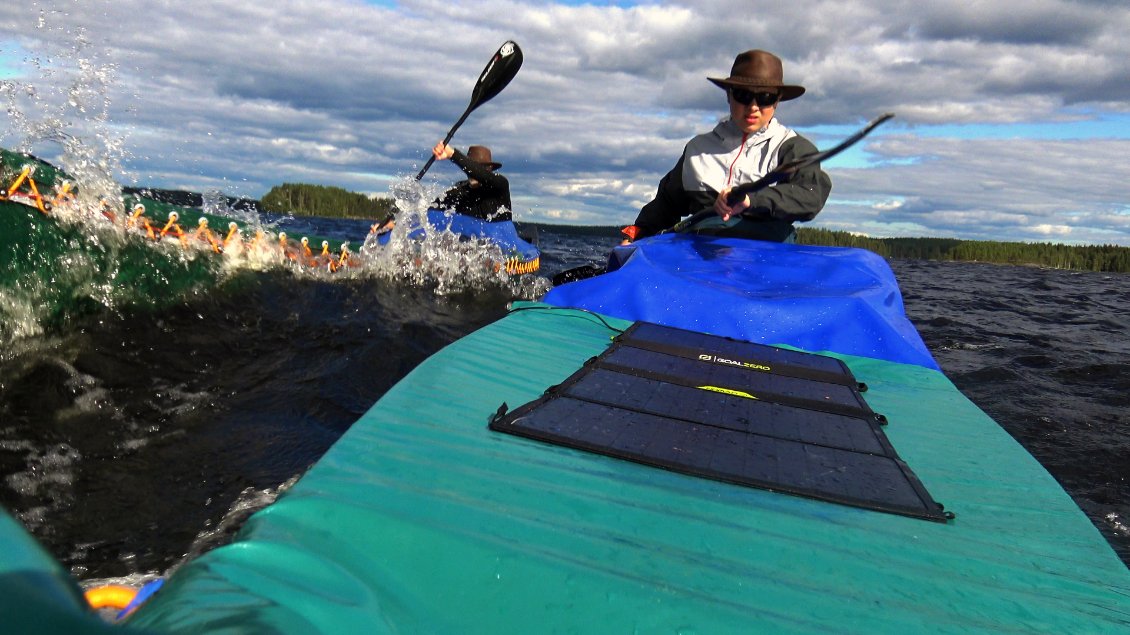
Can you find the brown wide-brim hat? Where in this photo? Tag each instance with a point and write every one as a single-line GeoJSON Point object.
{"type": "Point", "coordinates": [481, 154]}
{"type": "Point", "coordinates": [758, 69]}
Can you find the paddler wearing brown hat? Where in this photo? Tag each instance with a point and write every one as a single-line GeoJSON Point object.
{"type": "Point", "coordinates": [485, 193]}
{"type": "Point", "coordinates": [741, 149]}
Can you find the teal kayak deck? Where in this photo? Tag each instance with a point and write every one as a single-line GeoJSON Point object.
{"type": "Point", "coordinates": [420, 519]}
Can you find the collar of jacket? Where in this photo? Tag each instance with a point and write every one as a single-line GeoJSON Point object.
{"type": "Point", "coordinates": [717, 159]}
{"type": "Point", "coordinates": [728, 132]}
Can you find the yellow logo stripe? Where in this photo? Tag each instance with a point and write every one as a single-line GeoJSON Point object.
{"type": "Point", "coordinates": [728, 391]}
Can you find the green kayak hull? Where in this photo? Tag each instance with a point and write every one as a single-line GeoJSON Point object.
{"type": "Point", "coordinates": [421, 519]}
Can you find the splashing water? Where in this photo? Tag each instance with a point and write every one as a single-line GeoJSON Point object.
{"type": "Point", "coordinates": [117, 346]}
{"type": "Point", "coordinates": [423, 255]}
{"type": "Point", "coordinates": [80, 258]}
{"type": "Point", "coordinates": [65, 102]}
{"type": "Point", "coordinates": [90, 254]}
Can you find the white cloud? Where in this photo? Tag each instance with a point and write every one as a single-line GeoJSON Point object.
{"type": "Point", "coordinates": [247, 95]}
{"type": "Point", "coordinates": [1052, 230]}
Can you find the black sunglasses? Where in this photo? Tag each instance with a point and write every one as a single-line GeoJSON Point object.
{"type": "Point", "coordinates": [747, 97]}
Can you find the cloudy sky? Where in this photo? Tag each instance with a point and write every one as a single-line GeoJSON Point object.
{"type": "Point", "coordinates": [1012, 116]}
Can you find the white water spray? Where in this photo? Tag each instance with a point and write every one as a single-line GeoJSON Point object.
{"type": "Point", "coordinates": [60, 109]}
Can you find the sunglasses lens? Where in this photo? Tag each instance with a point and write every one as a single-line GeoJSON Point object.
{"type": "Point", "coordinates": [747, 97]}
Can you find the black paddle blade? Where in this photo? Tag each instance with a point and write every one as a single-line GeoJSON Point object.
{"type": "Point", "coordinates": [499, 71]}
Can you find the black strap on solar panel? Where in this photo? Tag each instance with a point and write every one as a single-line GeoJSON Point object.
{"type": "Point", "coordinates": [706, 381]}
{"type": "Point", "coordinates": [731, 352]}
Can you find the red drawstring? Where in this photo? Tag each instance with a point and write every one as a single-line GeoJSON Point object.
{"type": "Point", "coordinates": [730, 172]}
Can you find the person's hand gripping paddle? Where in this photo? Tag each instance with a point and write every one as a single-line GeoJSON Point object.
{"type": "Point", "coordinates": [499, 71]}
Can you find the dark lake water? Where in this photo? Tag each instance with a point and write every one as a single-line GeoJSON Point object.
{"type": "Point", "coordinates": [133, 437]}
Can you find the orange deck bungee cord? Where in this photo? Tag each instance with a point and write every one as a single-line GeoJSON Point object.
{"type": "Point", "coordinates": [333, 264]}
{"type": "Point", "coordinates": [138, 210]}
{"type": "Point", "coordinates": [65, 193]}
{"type": "Point", "coordinates": [32, 191]}
{"type": "Point", "coordinates": [515, 266]}
{"type": "Point", "coordinates": [233, 233]}
{"type": "Point", "coordinates": [204, 234]}
{"type": "Point", "coordinates": [25, 191]}
{"type": "Point", "coordinates": [172, 224]}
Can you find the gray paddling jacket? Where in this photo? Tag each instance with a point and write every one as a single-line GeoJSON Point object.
{"type": "Point", "coordinates": [726, 157]}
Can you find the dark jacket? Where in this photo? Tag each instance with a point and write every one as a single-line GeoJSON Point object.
{"type": "Point", "coordinates": [772, 211]}
{"type": "Point", "coordinates": [489, 199]}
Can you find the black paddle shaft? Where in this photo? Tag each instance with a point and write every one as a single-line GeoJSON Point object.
{"type": "Point", "coordinates": [792, 167]}
{"type": "Point", "coordinates": [499, 71]}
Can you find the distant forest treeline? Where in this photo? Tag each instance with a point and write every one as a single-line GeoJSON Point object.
{"type": "Point", "coordinates": [325, 201]}
{"type": "Point", "coordinates": [320, 200]}
{"type": "Point", "coordinates": [1106, 258]}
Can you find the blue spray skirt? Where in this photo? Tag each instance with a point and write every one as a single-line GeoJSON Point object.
{"type": "Point", "coordinates": [815, 298]}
